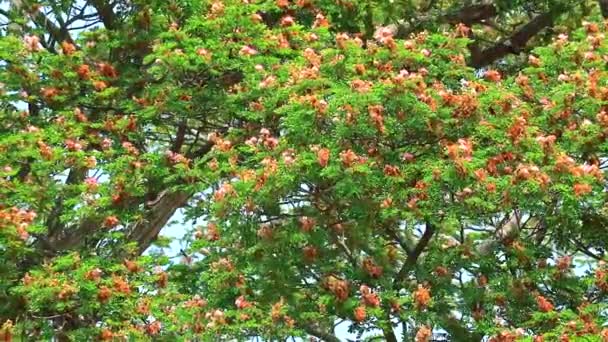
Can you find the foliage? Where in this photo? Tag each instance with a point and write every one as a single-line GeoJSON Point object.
{"type": "Point", "coordinates": [326, 169]}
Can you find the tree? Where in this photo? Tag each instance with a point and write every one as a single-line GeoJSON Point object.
{"type": "Point", "coordinates": [331, 160]}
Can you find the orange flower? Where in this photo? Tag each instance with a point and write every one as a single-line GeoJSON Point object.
{"type": "Point", "coordinates": [153, 328]}
{"type": "Point", "coordinates": [111, 221]}
{"type": "Point", "coordinates": [104, 294]}
{"type": "Point", "coordinates": [163, 279]}
{"type": "Point", "coordinates": [604, 335]}
{"type": "Point", "coordinates": [323, 157]}
{"type": "Point", "coordinates": [310, 253]}
{"type": "Point", "coordinates": [106, 335]}
{"type": "Point", "coordinates": [143, 307]}
{"type": "Point", "coordinates": [265, 232]}
{"type": "Point", "coordinates": [67, 48]}
{"type": "Point", "coordinates": [121, 285]}
{"type": "Point", "coordinates": [212, 233]}
{"type": "Point", "coordinates": [375, 113]}
{"type": "Point", "coordinates": [424, 334]}
{"type": "Point", "coordinates": [276, 312]}
{"type": "Point", "coordinates": [422, 297]}
{"type": "Point", "coordinates": [441, 271]}
{"type": "Point", "coordinates": [534, 61]}
{"type": "Point", "coordinates": [368, 297]}
{"type": "Point", "coordinates": [563, 263]}
{"type": "Point", "coordinates": [107, 70]}
{"type": "Point", "coordinates": [391, 171]}
{"type": "Point", "coordinates": [518, 129]}
{"type": "Point", "coordinates": [100, 85]}
{"type": "Point", "coordinates": [338, 287]}
{"type": "Point", "coordinates": [49, 93]}
{"type": "Point", "coordinates": [348, 157]}
{"type": "Point", "coordinates": [492, 75]}
{"type": "Point", "coordinates": [27, 279]}
{"type": "Point", "coordinates": [307, 223]}
{"type": "Point", "coordinates": [248, 51]}
{"type": "Point", "coordinates": [360, 69]}
{"type": "Point", "coordinates": [83, 71]}
{"type": "Point", "coordinates": [386, 203]}
{"type": "Point", "coordinates": [480, 174]}
{"type": "Point", "coordinates": [361, 86]}
{"type": "Point", "coordinates": [359, 313]}
{"type": "Point", "coordinates": [371, 268]}
{"type": "Point", "coordinates": [581, 189]}
{"type": "Point", "coordinates": [544, 304]}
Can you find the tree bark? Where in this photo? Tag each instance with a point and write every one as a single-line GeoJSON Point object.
{"type": "Point", "coordinates": [513, 44]}
{"type": "Point", "coordinates": [318, 333]}
{"type": "Point", "coordinates": [106, 13]}
{"type": "Point", "coordinates": [469, 15]}
{"type": "Point", "coordinates": [147, 230]}
{"type": "Point", "coordinates": [604, 7]}
{"type": "Point", "coordinates": [412, 257]}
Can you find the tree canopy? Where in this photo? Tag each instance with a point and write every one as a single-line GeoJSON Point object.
{"type": "Point", "coordinates": [415, 169]}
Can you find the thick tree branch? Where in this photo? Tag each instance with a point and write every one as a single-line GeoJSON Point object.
{"type": "Point", "coordinates": [513, 44]}
{"type": "Point", "coordinates": [457, 331]}
{"type": "Point", "coordinates": [323, 335]}
{"type": "Point", "coordinates": [53, 222]}
{"type": "Point", "coordinates": [467, 15]}
{"type": "Point", "coordinates": [143, 232]}
{"type": "Point", "coordinates": [106, 12]}
{"type": "Point", "coordinates": [179, 137]}
{"type": "Point", "coordinates": [412, 257]}
{"type": "Point", "coordinates": [388, 332]}
{"type": "Point", "coordinates": [158, 212]}
{"type": "Point", "coordinates": [604, 7]}
{"type": "Point", "coordinates": [161, 210]}
{"type": "Point", "coordinates": [473, 14]}
{"type": "Point", "coordinates": [586, 250]}
{"type": "Point", "coordinates": [57, 33]}
{"type": "Point", "coordinates": [70, 237]}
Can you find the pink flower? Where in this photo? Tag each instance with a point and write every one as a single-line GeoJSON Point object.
{"type": "Point", "coordinates": [251, 141]}
{"type": "Point", "coordinates": [106, 143]}
{"type": "Point", "coordinates": [32, 43]}
{"type": "Point", "coordinates": [268, 82]}
{"type": "Point", "coordinates": [248, 51]}
{"type": "Point", "coordinates": [242, 303]}
{"type": "Point", "coordinates": [91, 183]}
{"type": "Point", "coordinates": [287, 21]}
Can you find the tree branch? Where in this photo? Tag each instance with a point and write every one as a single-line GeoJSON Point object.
{"type": "Point", "coordinates": [467, 15]}
{"type": "Point", "coordinates": [473, 14]}
{"type": "Point", "coordinates": [179, 137]}
{"type": "Point", "coordinates": [604, 7]}
{"type": "Point", "coordinates": [412, 257]}
{"type": "Point", "coordinates": [57, 33]}
{"type": "Point", "coordinates": [457, 331]}
{"type": "Point", "coordinates": [323, 335]}
{"type": "Point", "coordinates": [388, 332]}
{"type": "Point", "coordinates": [161, 210]}
{"type": "Point", "coordinates": [106, 13]}
{"type": "Point", "coordinates": [53, 222]}
{"type": "Point", "coordinates": [585, 250]}
{"type": "Point", "coordinates": [513, 44]}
